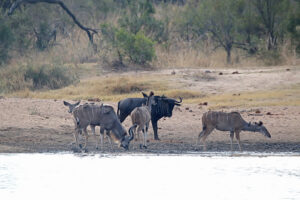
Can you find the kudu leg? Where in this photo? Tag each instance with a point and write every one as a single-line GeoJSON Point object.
{"type": "Point", "coordinates": [145, 135]}
{"type": "Point", "coordinates": [200, 136]}
{"type": "Point", "coordinates": [77, 131]}
{"type": "Point", "coordinates": [109, 139]}
{"type": "Point", "coordinates": [139, 129]}
{"type": "Point", "coordinates": [86, 138]}
{"type": "Point", "coordinates": [204, 135]}
{"type": "Point", "coordinates": [94, 135]}
{"type": "Point", "coordinates": [237, 136]}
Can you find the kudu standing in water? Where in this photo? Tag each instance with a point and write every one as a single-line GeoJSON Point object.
{"type": "Point", "coordinates": [232, 122]}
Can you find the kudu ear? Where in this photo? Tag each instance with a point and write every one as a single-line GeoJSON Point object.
{"type": "Point", "coordinates": [151, 94]}
{"type": "Point", "coordinates": [106, 109]}
{"type": "Point", "coordinates": [66, 103]}
{"type": "Point", "coordinates": [76, 104]}
{"type": "Point", "coordinates": [145, 95]}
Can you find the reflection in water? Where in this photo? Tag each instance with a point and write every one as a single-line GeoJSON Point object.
{"type": "Point", "coordinates": [205, 176]}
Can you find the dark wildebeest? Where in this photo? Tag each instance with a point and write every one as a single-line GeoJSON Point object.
{"type": "Point", "coordinates": [103, 116]}
{"type": "Point", "coordinates": [163, 108]}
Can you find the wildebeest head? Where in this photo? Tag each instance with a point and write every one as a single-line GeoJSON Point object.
{"type": "Point", "coordinates": [164, 106]}
{"type": "Point", "coordinates": [71, 106]}
{"type": "Point", "coordinates": [127, 139]}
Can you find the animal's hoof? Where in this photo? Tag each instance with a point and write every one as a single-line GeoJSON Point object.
{"type": "Point", "coordinates": [80, 146]}
{"type": "Point", "coordinates": [84, 150]}
{"type": "Point", "coordinates": [156, 138]}
{"type": "Point", "coordinates": [145, 147]}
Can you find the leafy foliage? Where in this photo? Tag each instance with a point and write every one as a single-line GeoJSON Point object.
{"type": "Point", "coordinates": [6, 41]}
{"type": "Point", "coordinates": [132, 30]}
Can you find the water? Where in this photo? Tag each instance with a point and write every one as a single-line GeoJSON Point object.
{"type": "Point", "coordinates": [204, 176]}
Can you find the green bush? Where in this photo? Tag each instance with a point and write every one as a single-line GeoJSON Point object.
{"type": "Point", "coordinates": [143, 49]}
{"type": "Point", "coordinates": [138, 48]}
{"type": "Point", "coordinates": [36, 77]}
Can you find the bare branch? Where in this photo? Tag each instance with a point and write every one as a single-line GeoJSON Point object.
{"type": "Point", "coordinates": [89, 31]}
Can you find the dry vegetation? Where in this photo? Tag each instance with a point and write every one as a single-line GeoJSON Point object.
{"type": "Point", "coordinates": [194, 86]}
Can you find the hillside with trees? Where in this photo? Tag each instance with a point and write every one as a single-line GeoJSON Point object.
{"type": "Point", "coordinates": [42, 40]}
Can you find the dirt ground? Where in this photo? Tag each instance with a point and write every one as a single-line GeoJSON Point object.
{"type": "Point", "coordinates": [38, 125]}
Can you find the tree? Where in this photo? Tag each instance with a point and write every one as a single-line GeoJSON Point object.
{"type": "Point", "coordinates": [220, 20]}
{"type": "Point", "coordinates": [140, 17]}
{"type": "Point", "coordinates": [273, 15]}
{"type": "Point", "coordinates": [89, 31]}
{"type": "Point", "coordinates": [294, 26]}
{"type": "Point", "coordinates": [6, 40]}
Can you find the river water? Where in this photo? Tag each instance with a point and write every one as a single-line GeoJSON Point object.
{"type": "Point", "coordinates": [128, 176]}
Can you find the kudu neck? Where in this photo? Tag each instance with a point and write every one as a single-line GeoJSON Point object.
{"type": "Point", "coordinates": [250, 127]}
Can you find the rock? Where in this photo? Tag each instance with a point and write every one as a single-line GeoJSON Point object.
{"type": "Point", "coordinates": [203, 104]}
{"type": "Point", "coordinates": [235, 72]}
{"type": "Point", "coordinates": [220, 73]}
{"type": "Point", "coordinates": [173, 72]}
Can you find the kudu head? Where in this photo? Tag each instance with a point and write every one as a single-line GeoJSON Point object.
{"type": "Point", "coordinates": [259, 127]}
{"type": "Point", "coordinates": [151, 101]}
{"type": "Point", "coordinates": [127, 139]}
{"type": "Point", "coordinates": [71, 106]}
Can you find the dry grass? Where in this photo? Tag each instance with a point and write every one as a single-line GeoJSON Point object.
{"type": "Point", "coordinates": [115, 88]}
{"type": "Point", "coordinates": [278, 97]}
{"type": "Point", "coordinates": [188, 57]}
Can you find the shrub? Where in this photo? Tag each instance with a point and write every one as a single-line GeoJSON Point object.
{"type": "Point", "coordinates": [143, 49]}
{"type": "Point", "coordinates": [35, 77]}
{"type": "Point", "coordinates": [49, 76]}
{"type": "Point", "coordinates": [138, 48]}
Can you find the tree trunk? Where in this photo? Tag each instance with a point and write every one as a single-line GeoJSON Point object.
{"type": "Point", "coordinates": [271, 41]}
{"type": "Point", "coordinates": [228, 51]}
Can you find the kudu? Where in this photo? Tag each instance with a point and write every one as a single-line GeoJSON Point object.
{"type": "Point", "coordinates": [141, 117]}
{"type": "Point", "coordinates": [71, 108]}
{"type": "Point", "coordinates": [103, 116]}
{"type": "Point", "coordinates": [232, 122]}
